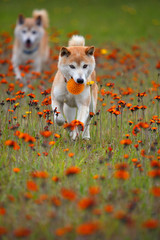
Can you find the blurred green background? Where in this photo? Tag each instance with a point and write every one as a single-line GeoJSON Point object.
{"type": "Point", "coordinates": [106, 20]}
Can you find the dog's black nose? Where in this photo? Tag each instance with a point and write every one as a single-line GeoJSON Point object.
{"type": "Point", "coordinates": [28, 41]}
{"type": "Point", "coordinates": [80, 80]}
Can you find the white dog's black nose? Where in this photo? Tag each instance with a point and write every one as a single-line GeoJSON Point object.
{"type": "Point", "coordinates": [28, 41]}
{"type": "Point", "coordinates": [80, 80]}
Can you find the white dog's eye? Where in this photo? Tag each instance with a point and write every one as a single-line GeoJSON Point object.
{"type": "Point", "coordinates": [85, 66]}
{"type": "Point", "coordinates": [34, 32]}
{"type": "Point", "coordinates": [72, 66]}
{"type": "Point", "coordinates": [23, 31]}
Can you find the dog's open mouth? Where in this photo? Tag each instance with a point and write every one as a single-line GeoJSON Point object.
{"type": "Point", "coordinates": [28, 43]}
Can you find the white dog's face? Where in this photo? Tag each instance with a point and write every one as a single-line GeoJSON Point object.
{"type": "Point", "coordinates": [77, 63]}
{"type": "Point", "coordinates": [29, 31]}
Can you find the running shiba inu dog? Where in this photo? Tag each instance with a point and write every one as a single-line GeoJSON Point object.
{"type": "Point", "coordinates": [75, 62]}
{"type": "Point", "coordinates": [31, 41]}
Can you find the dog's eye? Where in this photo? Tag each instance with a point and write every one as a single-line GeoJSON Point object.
{"type": "Point", "coordinates": [23, 31]}
{"type": "Point", "coordinates": [72, 66]}
{"type": "Point", "coordinates": [34, 32]}
{"type": "Point", "coordinates": [85, 66]}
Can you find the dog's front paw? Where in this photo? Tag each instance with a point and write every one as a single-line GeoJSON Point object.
{"type": "Point", "coordinates": [75, 134]}
{"type": "Point", "coordinates": [59, 120]}
{"type": "Point", "coordinates": [18, 78]}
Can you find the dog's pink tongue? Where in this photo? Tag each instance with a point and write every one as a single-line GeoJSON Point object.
{"type": "Point", "coordinates": [28, 45]}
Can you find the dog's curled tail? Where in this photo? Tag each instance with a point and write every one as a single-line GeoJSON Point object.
{"type": "Point", "coordinates": [44, 16]}
{"type": "Point", "coordinates": [76, 40]}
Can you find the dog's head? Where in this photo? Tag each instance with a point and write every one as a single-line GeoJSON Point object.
{"type": "Point", "coordinates": [77, 62]}
{"type": "Point", "coordinates": [29, 31]}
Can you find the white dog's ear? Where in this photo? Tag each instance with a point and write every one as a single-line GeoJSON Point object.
{"type": "Point", "coordinates": [39, 20]}
{"type": "Point", "coordinates": [90, 50]}
{"type": "Point", "coordinates": [21, 19]}
{"type": "Point", "coordinates": [64, 52]}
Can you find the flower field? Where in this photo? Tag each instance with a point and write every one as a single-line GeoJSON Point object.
{"type": "Point", "coordinates": [105, 188]}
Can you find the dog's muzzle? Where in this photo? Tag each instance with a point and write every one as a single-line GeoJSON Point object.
{"type": "Point", "coordinates": [28, 43]}
{"type": "Point", "coordinates": [80, 80]}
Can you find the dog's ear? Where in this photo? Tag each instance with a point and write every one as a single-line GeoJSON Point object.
{"type": "Point", "coordinates": [90, 51]}
{"type": "Point", "coordinates": [39, 20]}
{"type": "Point", "coordinates": [64, 52]}
{"type": "Point", "coordinates": [20, 19]}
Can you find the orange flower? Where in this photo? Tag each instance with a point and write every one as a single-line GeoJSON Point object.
{"type": "Point", "coordinates": [91, 114]}
{"type": "Point", "coordinates": [46, 101]}
{"type": "Point", "coordinates": [126, 156]}
{"type": "Point", "coordinates": [93, 190]}
{"type": "Point", "coordinates": [55, 179]}
{"type": "Point", "coordinates": [66, 150]}
{"type": "Point", "coordinates": [11, 198]}
{"type": "Point", "coordinates": [56, 201]}
{"type": "Point", "coordinates": [13, 144]}
{"type": "Point", "coordinates": [62, 231]}
{"type": "Point", "coordinates": [136, 129]}
{"type": "Point", "coordinates": [72, 125]}
{"type": "Point", "coordinates": [2, 211]}
{"type": "Point", "coordinates": [108, 208]}
{"type": "Point", "coordinates": [155, 191]}
{"type": "Point", "coordinates": [31, 95]}
{"type": "Point", "coordinates": [32, 186]}
{"type": "Point", "coordinates": [68, 194]}
{"type": "Point", "coordinates": [16, 170]}
{"type": "Point", "coordinates": [158, 65]}
{"type": "Point", "coordinates": [40, 114]}
{"type": "Point", "coordinates": [71, 154]}
{"type": "Point", "coordinates": [28, 195]}
{"type": "Point", "coordinates": [45, 154]}
{"type": "Point", "coordinates": [25, 136]}
{"type": "Point", "coordinates": [72, 171]}
{"type": "Point", "coordinates": [97, 211]}
{"type": "Point", "coordinates": [86, 203]}
{"type": "Point", "coordinates": [143, 153]}
{"type": "Point", "coordinates": [130, 123]}
{"type": "Point", "coordinates": [51, 143]}
{"type": "Point", "coordinates": [39, 174]}
{"type": "Point", "coordinates": [57, 135]}
{"type": "Point", "coordinates": [46, 134]}
{"type": "Point", "coordinates": [121, 166]}
{"type": "Point", "coordinates": [96, 176]}
{"type": "Point", "coordinates": [125, 218]}
{"type": "Point", "coordinates": [126, 142]}
{"type": "Point", "coordinates": [22, 232]}
{"type": "Point", "coordinates": [88, 228]}
{"type": "Point", "coordinates": [150, 224]}
{"type": "Point", "coordinates": [3, 231]}
{"type": "Point", "coordinates": [143, 125]}
{"type": "Point", "coordinates": [155, 164]}
{"type": "Point", "coordinates": [154, 173]}
{"type": "Point", "coordinates": [121, 174]}
{"type": "Point", "coordinates": [134, 160]}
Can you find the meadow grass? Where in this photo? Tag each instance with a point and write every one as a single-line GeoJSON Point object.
{"type": "Point", "coordinates": [121, 21]}
{"type": "Point", "coordinates": [113, 193]}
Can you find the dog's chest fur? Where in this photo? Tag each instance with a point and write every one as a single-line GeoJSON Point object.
{"type": "Point", "coordinates": [63, 96]}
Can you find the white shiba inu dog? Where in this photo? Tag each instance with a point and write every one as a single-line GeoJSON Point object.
{"type": "Point", "coordinates": [77, 62]}
{"type": "Point", "coordinates": [31, 41]}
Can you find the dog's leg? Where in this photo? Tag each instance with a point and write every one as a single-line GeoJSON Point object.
{"type": "Point", "coordinates": [82, 116]}
{"type": "Point", "coordinates": [86, 132]}
{"type": "Point", "coordinates": [17, 72]}
{"type": "Point", "coordinates": [69, 112]}
{"type": "Point", "coordinates": [38, 65]}
{"type": "Point", "coordinates": [92, 108]}
{"type": "Point", "coordinates": [58, 112]}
